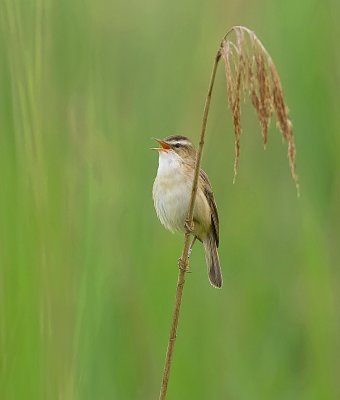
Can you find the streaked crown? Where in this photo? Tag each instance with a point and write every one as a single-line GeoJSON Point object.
{"type": "Point", "coordinates": [182, 146]}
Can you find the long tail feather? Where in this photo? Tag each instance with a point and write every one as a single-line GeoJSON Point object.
{"type": "Point", "coordinates": [213, 261]}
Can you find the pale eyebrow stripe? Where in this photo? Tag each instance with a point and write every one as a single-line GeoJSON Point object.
{"type": "Point", "coordinates": [181, 142]}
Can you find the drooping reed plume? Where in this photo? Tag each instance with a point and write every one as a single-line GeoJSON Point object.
{"type": "Point", "coordinates": [250, 72]}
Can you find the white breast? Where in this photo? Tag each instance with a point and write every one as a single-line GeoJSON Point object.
{"type": "Point", "coordinates": [171, 191]}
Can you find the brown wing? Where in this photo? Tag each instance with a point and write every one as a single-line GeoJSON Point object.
{"type": "Point", "coordinates": [213, 209]}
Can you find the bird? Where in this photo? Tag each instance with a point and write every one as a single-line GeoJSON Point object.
{"type": "Point", "coordinates": [171, 196]}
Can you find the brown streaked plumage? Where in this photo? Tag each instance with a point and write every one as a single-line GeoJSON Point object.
{"type": "Point", "coordinates": [171, 194]}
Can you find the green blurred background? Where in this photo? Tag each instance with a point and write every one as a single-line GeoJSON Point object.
{"type": "Point", "coordinates": [88, 274]}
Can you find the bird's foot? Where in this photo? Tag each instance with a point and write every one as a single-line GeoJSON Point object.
{"type": "Point", "coordinates": [183, 265]}
{"type": "Point", "coordinates": [188, 228]}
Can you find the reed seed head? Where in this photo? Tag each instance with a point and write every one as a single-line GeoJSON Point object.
{"type": "Point", "coordinates": [250, 72]}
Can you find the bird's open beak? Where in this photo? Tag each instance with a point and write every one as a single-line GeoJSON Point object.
{"type": "Point", "coordinates": [164, 145]}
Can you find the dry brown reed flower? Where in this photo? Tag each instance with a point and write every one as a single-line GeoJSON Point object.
{"type": "Point", "coordinates": [250, 69]}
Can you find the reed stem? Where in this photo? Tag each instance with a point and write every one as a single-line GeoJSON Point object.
{"type": "Point", "coordinates": [184, 260]}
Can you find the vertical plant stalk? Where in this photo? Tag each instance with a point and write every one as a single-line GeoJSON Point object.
{"type": "Point", "coordinates": [249, 71]}
{"type": "Point", "coordinates": [184, 260]}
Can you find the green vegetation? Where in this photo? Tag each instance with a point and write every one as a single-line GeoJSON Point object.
{"type": "Point", "coordinates": [87, 273]}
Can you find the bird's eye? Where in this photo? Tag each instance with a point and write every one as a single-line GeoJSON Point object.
{"type": "Point", "coordinates": [177, 145]}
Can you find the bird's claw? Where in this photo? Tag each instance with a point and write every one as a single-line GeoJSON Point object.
{"type": "Point", "coordinates": [183, 266]}
{"type": "Point", "coordinates": [188, 228]}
